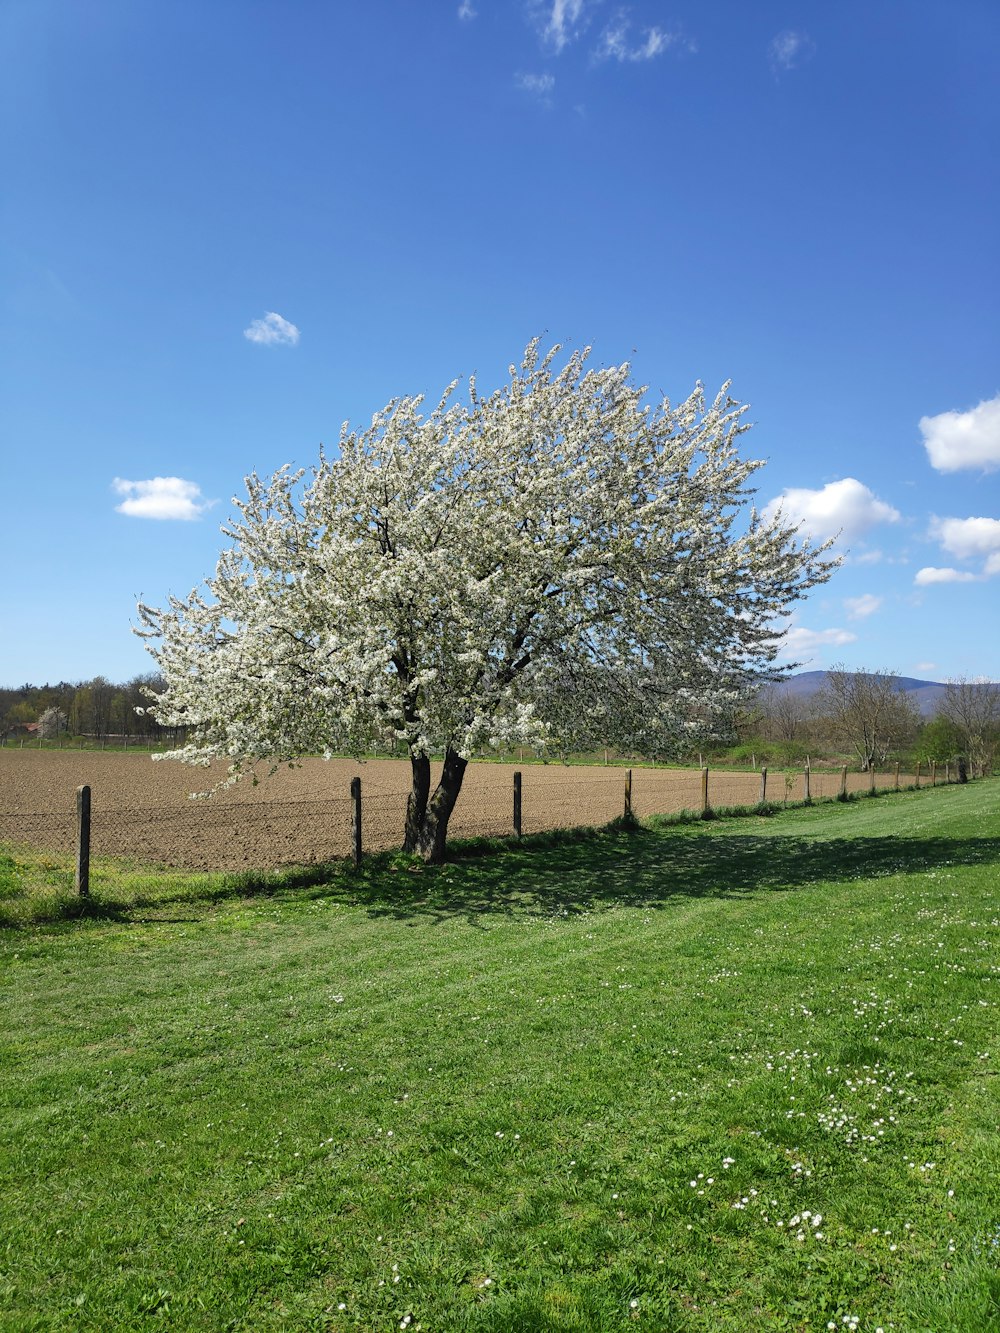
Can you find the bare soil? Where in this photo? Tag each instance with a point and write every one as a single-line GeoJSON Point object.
{"type": "Point", "coordinates": [142, 809]}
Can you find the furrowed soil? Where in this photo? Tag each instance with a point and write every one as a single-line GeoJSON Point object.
{"type": "Point", "coordinates": [142, 809]}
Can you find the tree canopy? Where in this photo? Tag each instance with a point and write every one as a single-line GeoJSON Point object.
{"type": "Point", "coordinates": [869, 710]}
{"type": "Point", "coordinates": [972, 708]}
{"type": "Point", "coordinates": [559, 560]}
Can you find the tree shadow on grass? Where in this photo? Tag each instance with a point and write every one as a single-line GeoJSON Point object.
{"type": "Point", "coordinates": [649, 870]}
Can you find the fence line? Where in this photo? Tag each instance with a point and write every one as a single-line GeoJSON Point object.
{"type": "Point", "coordinates": [267, 835]}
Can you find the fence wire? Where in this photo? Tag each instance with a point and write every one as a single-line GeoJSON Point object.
{"type": "Point", "coordinates": [224, 836]}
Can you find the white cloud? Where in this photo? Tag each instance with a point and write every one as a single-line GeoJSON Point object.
{"type": "Point", "coordinates": [846, 507]}
{"type": "Point", "coordinates": [929, 574]}
{"type": "Point", "coordinates": [925, 666]}
{"type": "Point", "coordinates": [956, 440]}
{"type": "Point", "coordinates": [967, 538]}
{"type": "Point", "coordinates": [615, 43]}
{"type": "Point", "coordinates": [160, 497]}
{"type": "Point", "coordinates": [466, 11]}
{"type": "Point", "coordinates": [537, 85]}
{"type": "Point", "coordinates": [799, 644]}
{"type": "Point", "coordinates": [789, 49]}
{"type": "Point", "coordinates": [272, 331]}
{"type": "Point", "coordinates": [865, 605]}
{"type": "Point", "coordinates": [561, 22]}
{"type": "Point", "coordinates": [992, 565]}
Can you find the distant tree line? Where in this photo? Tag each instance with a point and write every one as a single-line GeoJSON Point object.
{"type": "Point", "coordinates": [868, 718]}
{"type": "Point", "coordinates": [99, 708]}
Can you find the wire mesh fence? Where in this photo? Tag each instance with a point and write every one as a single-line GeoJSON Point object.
{"type": "Point", "coordinates": [137, 843]}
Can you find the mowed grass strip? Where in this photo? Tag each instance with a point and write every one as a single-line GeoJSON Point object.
{"type": "Point", "coordinates": [734, 1075]}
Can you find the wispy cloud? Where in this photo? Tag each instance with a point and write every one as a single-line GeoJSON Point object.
{"type": "Point", "coordinates": [846, 507]}
{"type": "Point", "coordinates": [800, 644]}
{"type": "Point", "coordinates": [860, 607]}
{"type": "Point", "coordinates": [161, 497]}
{"type": "Point", "coordinates": [560, 21]}
{"type": "Point", "coordinates": [958, 440]}
{"type": "Point", "coordinates": [789, 49]}
{"type": "Point", "coordinates": [874, 557]}
{"type": "Point", "coordinates": [929, 574]}
{"type": "Point", "coordinates": [538, 86]}
{"type": "Point", "coordinates": [272, 331]}
{"type": "Point", "coordinates": [617, 43]}
{"type": "Point", "coordinates": [466, 11]}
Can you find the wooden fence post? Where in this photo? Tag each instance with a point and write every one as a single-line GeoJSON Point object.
{"type": "Point", "coordinates": [933, 772]}
{"type": "Point", "coordinates": [763, 784]}
{"type": "Point", "coordinates": [356, 821]}
{"type": "Point", "coordinates": [517, 804]}
{"type": "Point", "coordinates": [83, 841]}
{"type": "Point", "coordinates": [918, 772]}
{"type": "Point", "coordinates": [805, 785]}
{"type": "Point", "coordinates": [843, 782]}
{"type": "Point", "coordinates": [628, 794]}
{"type": "Point", "coordinates": [897, 777]}
{"type": "Point", "coordinates": [871, 778]}
{"type": "Point", "coordinates": [704, 790]}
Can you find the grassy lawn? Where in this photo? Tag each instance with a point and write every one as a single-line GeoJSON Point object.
{"type": "Point", "coordinates": [725, 1076]}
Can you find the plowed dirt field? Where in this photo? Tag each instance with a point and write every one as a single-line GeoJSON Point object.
{"type": "Point", "coordinates": [142, 809]}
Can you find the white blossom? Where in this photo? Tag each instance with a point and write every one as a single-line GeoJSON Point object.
{"type": "Point", "coordinates": [557, 562]}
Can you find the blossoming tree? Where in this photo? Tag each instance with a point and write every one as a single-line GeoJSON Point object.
{"type": "Point", "coordinates": [557, 561]}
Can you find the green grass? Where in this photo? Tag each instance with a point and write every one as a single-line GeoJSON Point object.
{"type": "Point", "coordinates": [531, 1086]}
{"type": "Point", "coordinates": [37, 887]}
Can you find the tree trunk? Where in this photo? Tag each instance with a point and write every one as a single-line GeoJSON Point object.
{"type": "Point", "coordinates": [427, 816]}
{"type": "Point", "coordinates": [416, 802]}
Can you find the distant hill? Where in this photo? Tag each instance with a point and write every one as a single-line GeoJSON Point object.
{"type": "Point", "coordinates": [926, 694]}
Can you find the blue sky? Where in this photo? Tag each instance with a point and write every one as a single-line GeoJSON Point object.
{"type": "Point", "coordinates": [225, 228]}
